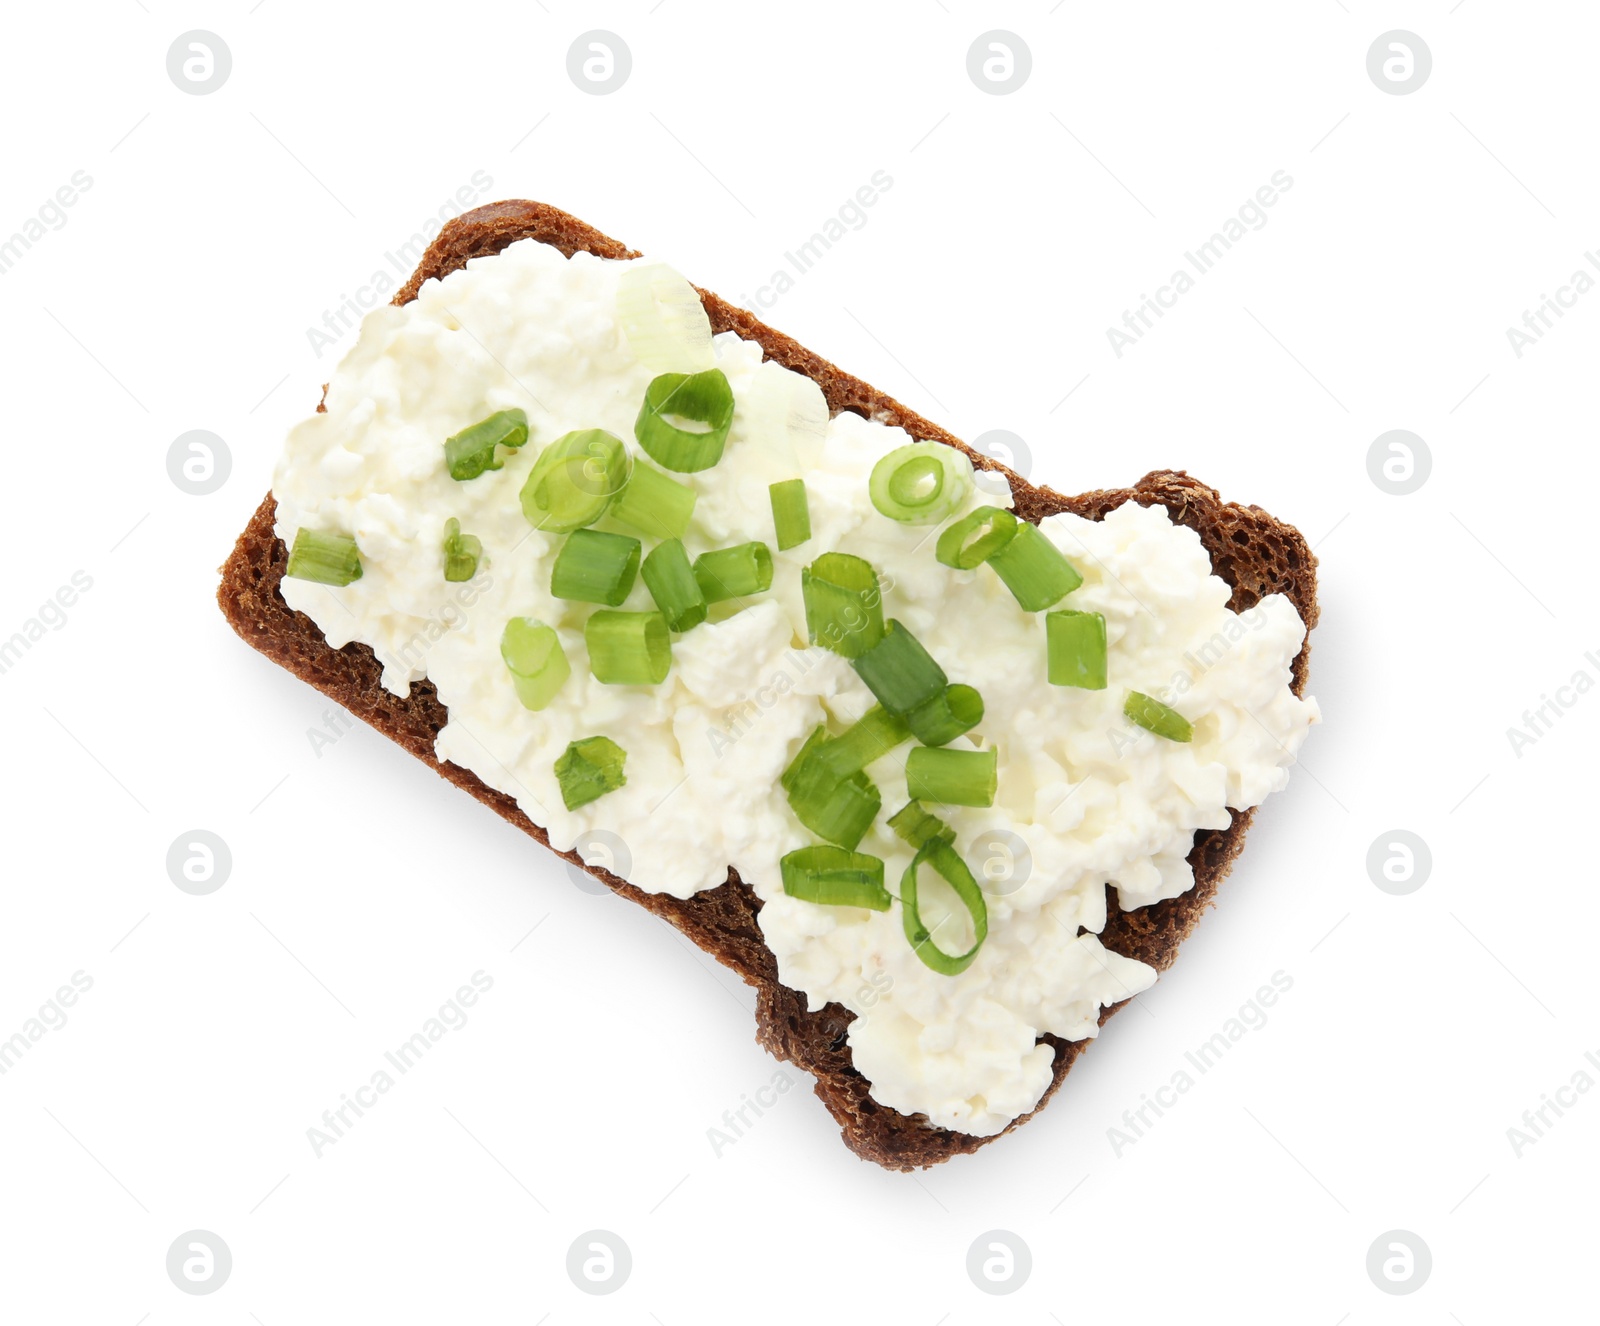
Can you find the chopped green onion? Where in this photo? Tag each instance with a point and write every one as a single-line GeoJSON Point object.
{"type": "Point", "coordinates": [844, 606]}
{"type": "Point", "coordinates": [841, 810]}
{"type": "Point", "coordinates": [705, 399]}
{"type": "Point", "coordinates": [588, 769]}
{"type": "Point", "coordinates": [801, 767]}
{"type": "Point", "coordinates": [1152, 715]}
{"type": "Point", "coordinates": [574, 480]}
{"type": "Point", "coordinates": [791, 513]}
{"type": "Point", "coordinates": [663, 318]}
{"type": "Point", "coordinates": [945, 860]}
{"type": "Point", "coordinates": [461, 552]}
{"type": "Point", "coordinates": [659, 506]}
{"type": "Point", "coordinates": [328, 559]}
{"type": "Point", "coordinates": [951, 777]}
{"type": "Point", "coordinates": [870, 738]}
{"type": "Point", "coordinates": [733, 573]}
{"type": "Point", "coordinates": [899, 671]}
{"type": "Point", "coordinates": [913, 824]}
{"type": "Point", "coordinates": [534, 657]}
{"type": "Point", "coordinates": [921, 483]}
{"type": "Point", "coordinates": [994, 526]}
{"type": "Point", "coordinates": [1034, 569]}
{"type": "Point", "coordinates": [471, 451]}
{"type": "Point", "coordinates": [670, 580]}
{"type": "Point", "coordinates": [1076, 649]}
{"type": "Point", "coordinates": [595, 567]}
{"type": "Point", "coordinates": [835, 877]}
{"type": "Point", "coordinates": [837, 805]}
{"type": "Point", "coordinates": [628, 648]}
{"type": "Point", "coordinates": [946, 715]}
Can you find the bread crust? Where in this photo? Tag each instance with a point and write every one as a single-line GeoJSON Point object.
{"type": "Point", "coordinates": [1252, 551]}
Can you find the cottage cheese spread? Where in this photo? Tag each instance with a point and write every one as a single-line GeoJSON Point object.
{"type": "Point", "coordinates": [1084, 798]}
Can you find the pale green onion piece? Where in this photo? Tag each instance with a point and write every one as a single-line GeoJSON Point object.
{"type": "Point", "coordinates": [704, 401]}
{"type": "Point", "coordinates": [945, 860]}
{"type": "Point", "coordinates": [328, 559]}
{"type": "Point", "coordinates": [975, 538]}
{"type": "Point", "coordinates": [533, 656]}
{"type": "Point", "coordinates": [654, 504]}
{"type": "Point", "coordinates": [670, 580]}
{"type": "Point", "coordinates": [791, 513]}
{"type": "Point", "coordinates": [834, 877]}
{"type": "Point", "coordinates": [844, 606]}
{"type": "Point", "coordinates": [899, 671]}
{"type": "Point", "coordinates": [470, 452]}
{"type": "Point", "coordinates": [951, 777]}
{"type": "Point", "coordinates": [838, 806]}
{"type": "Point", "coordinates": [734, 573]}
{"type": "Point", "coordinates": [921, 483]}
{"type": "Point", "coordinates": [628, 648]}
{"type": "Point", "coordinates": [945, 715]}
{"type": "Point", "coordinates": [1075, 644]}
{"type": "Point", "coordinates": [595, 567]}
{"type": "Point", "coordinates": [574, 480]}
{"type": "Point", "coordinates": [915, 826]}
{"type": "Point", "coordinates": [1034, 569]}
{"type": "Point", "coordinates": [461, 552]}
{"type": "Point", "coordinates": [663, 319]}
{"type": "Point", "coordinates": [588, 769]}
{"type": "Point", "coordinates": [1150, 714]}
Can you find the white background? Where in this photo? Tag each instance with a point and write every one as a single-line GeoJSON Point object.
{"type": "Point", "coordinates": [219, 228]}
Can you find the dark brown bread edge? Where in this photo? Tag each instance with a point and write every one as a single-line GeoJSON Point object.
{"type": "Point", "coordinates": [1254, 553]}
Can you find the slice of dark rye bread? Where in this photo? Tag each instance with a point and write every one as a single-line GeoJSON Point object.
{"type": "Point", "coordinates": [1254, 553]}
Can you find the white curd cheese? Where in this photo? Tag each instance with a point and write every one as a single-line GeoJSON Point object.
{"type": "Point", "coordinates": [1085, 798]}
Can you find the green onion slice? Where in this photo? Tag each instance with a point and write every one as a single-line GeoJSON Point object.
{"type": "Point", "coordinates": [628, 648]}
{"type": "Point", "coordinates": [1034, 569]}
{"type": "Point", "coordinates": [595, 567]}
{"type": "Point", "coordinates": [844, 606]}
{"type": "Point", "coordinates": [588, 769]}
{"type": "Point", "coordinates": [461, 552]}
{"type": "Point", "coordinates": [702, 399]}
{"type": "Point", "coordinates": [1150, 714]}
{"type": "Point", "coordinates": [328, 559]}
{"type": "Point", "coordinates": [838, 806]}
{"type": "Point", "coordinates": [921, 483]}
{"type": "Point", "coordinates": [663, 318]}
{"type": "Point", "coordinates": [913, 824]}
{"type": "Point", "coordinates": [835, 877]}
{"type": "Point", "coordinates": [1075, 644]}
{"type": "Point", "coordinates": [953, 870]}
{"type": "Point", "coordinates": [951, 777]}
{"type": "Point", "coordinates": [533, 655]}
{"type": "Point", "coordinates": [946, 715]}
{"type": "Point", "coordinates": [870, 738]}
{"type": "Point", "coordinates": [574, 480]}
{"type": "Point", "coordinates": [899, 671]}
{"type": "Point", "coordinates": [471, 451]}
{"type": "Point", "coordinates": [654, 504]}
{"type": "Point", "coordinates": [671, 582]}
{"type": "Point", "coordinates": [791, 513]}
{"type": "Point", "coordinates": [975, 538]}
{"type": "Point", "coordinates": [734, 573]}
